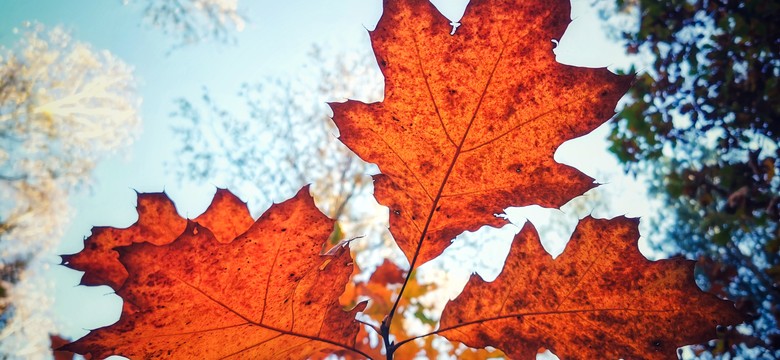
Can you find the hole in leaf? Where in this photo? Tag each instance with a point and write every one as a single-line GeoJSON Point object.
{"type": "Point", "coordinates": [455, 26]}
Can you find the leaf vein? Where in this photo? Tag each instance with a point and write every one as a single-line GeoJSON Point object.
{"type": "Point", "coordinates": [252, 346]}
{"type": "Point", "coordinates": [430, 93]}
{"type": "Point", "coordinates": [268, 327]}
{"type": "Point", "coordinates": [516, 127]}
{"type": "Point", "coordinates": [268, 281]}
{"type": "Point", "coordinates": [408, 168]}
{"type": "Point", "coordinates": [577, 284]}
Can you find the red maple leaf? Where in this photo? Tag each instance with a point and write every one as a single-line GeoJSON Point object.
{"type": "Point", "coordinates": [470, 121]}
{"type": "Point", "coordinates": [600, 299]}
{"type": "Point", "coordinates": [268, 293]}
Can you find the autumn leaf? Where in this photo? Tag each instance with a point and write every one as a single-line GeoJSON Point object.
{"type": "Point", "coordinates": [268, 293]}
{"type": "Point", "coordinates": [470, 121]}
{"type": "Point", "coordinates": [600, 299]}
{"type": "Point", "coordinates": [387, 273]}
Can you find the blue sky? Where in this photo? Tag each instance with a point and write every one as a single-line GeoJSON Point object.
{"type": "Point", "coordinates": [275, 42]}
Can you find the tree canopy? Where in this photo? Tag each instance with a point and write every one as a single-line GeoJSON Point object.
{"type": "Point", "coordinates": [702, 121]}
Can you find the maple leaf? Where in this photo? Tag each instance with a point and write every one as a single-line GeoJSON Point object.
{"type": "Point", "coordinates": [470, 121]}
{"type": "Point", "coordinates": [600, 299]}
{"type": "Point", "coordinates": [267, 293]}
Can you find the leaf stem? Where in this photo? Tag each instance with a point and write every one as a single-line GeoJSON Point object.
{"type": "Point", "coordinates": [384, 328]}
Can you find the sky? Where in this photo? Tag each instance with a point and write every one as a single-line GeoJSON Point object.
{"type": "Point", "coordinates": [276, 42]}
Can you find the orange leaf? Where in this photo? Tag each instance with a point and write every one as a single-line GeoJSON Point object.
{"type": "Point", "coordinates": [601, 299]}
{"type": "Point", "coordinates": [388, 273]}
{"type": "Point", "coordinates": [470, 121]}
{"type": "Point", "coordinates": [265, 294]}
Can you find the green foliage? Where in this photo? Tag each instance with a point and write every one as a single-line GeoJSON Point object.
{"type": "Point", "coordinates": [702, 119]}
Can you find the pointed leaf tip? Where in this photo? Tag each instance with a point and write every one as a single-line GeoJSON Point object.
{"type": "Point", "coordinates": [226, 217]}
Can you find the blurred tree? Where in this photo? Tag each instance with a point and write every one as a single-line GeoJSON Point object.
{"type": "Point", "coordinates": [703, 121]}
{"type": "Point", "coordinates": [191, 21]}
{"type": "Point", "coordinates": [63, 107]}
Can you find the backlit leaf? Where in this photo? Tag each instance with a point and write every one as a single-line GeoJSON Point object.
{"type": "Point", "coordinates": [266, 294]}
{"type": "Point", "coordinates": [470, 121]}
{"type": "Point", "coordinates": [601, 299]}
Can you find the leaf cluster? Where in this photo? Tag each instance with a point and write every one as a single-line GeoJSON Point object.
{"type": "Point", "coordinates": [467, 128]}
